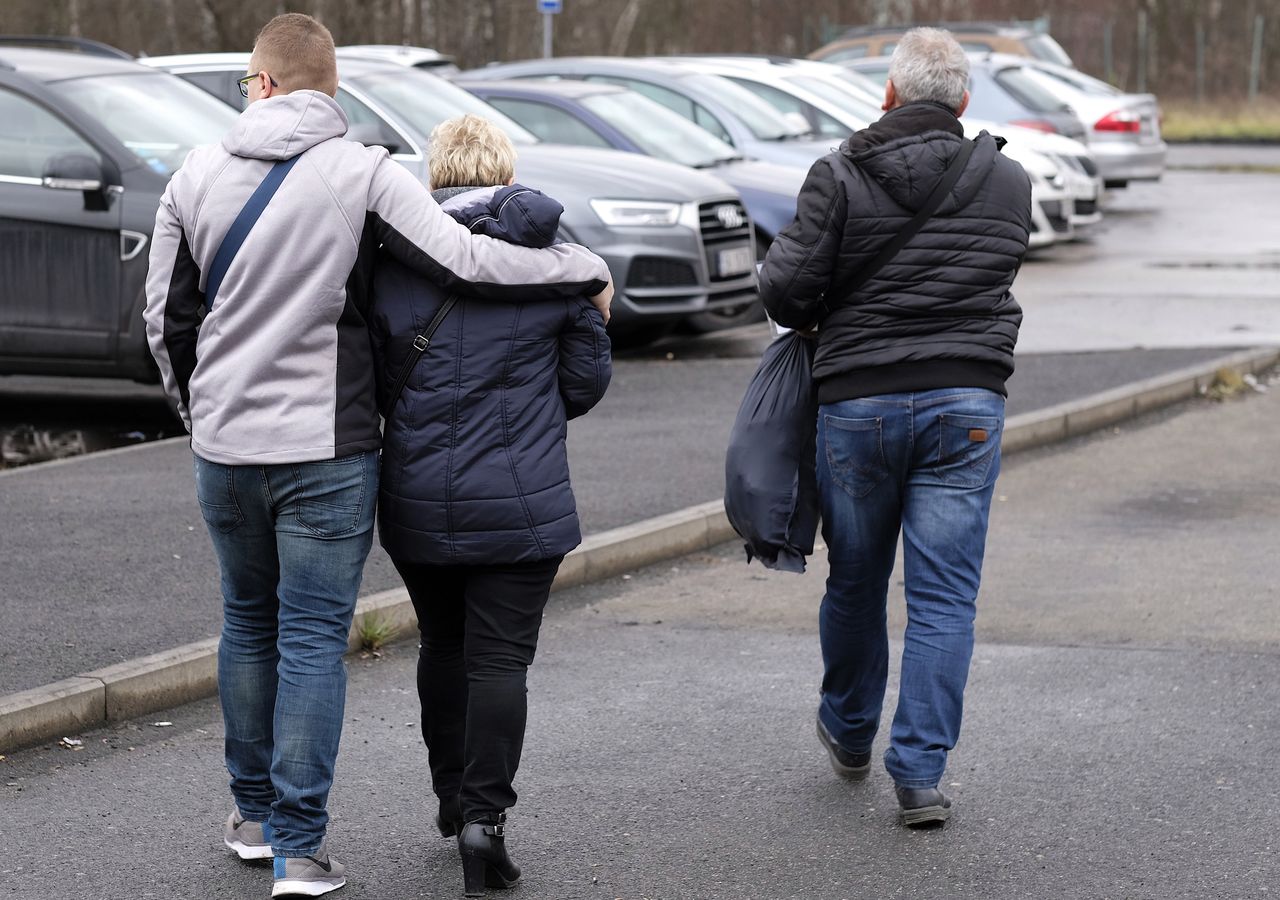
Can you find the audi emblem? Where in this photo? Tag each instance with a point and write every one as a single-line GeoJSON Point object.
{"type": "Point", "coordinates": [730, 217]}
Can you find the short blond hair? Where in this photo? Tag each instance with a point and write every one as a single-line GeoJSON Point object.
{"type": "Point", "coordinates": [470, 151]}
{"type": "Point", "coordinates": [297, 51]}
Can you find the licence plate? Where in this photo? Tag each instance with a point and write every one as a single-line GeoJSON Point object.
{"type": "Point", "coordinates": [737, 261]}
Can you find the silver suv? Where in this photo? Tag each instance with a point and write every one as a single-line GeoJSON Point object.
{"type": "Point", "coordinates": [678, 242]}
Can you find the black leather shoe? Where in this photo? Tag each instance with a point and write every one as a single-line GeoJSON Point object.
{"type": "Point", "coordinates": [449, 819]}
{"type": "Point", "coordinates": [854, 766]}
{"type": "Point", "coordinates": [485, 863]}
{"type": "Point", "coordinates": [922, 806]}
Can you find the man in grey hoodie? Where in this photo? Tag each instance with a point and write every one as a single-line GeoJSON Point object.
{"type": "Point", "coordinates": [271, 370]}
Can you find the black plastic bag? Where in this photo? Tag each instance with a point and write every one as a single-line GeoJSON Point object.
{"type": "Point", "coordinates": [771, 482]}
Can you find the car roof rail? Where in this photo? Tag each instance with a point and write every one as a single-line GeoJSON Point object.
{"type": "Point", "coordinates": [59, 42]}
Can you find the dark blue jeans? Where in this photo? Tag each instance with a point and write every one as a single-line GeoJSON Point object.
{"type": "Point", "coordinates": [924, 464]}
{"type": "Point", "coordinates": [291, 542]}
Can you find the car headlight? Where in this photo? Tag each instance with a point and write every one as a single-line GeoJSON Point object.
{"type": "Point", "coordinates": [636, 212]}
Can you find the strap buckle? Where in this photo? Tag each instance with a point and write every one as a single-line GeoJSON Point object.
{"type": "Point", "coordinates": [421, 343]}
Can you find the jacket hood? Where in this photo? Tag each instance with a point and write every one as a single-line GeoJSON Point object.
{"type": "Point", "coordinates": [284, 126]}
{"type": "Point", "coordinates": [909, 149]}
{"type": "Point", "coordinates": [515, 213]}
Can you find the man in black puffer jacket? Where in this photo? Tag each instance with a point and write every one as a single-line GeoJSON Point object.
{"type": "Point", "coordinates": [475, 506]}
{"type": "Point", "coordinates": [911, 368]}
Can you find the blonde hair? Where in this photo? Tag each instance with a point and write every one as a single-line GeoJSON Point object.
{"type": "Point", "coordinates": [470, 151]}
{"type": "Point", "coordinates": [297, 51]}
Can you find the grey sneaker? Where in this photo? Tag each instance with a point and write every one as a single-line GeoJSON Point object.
{"type": "Point", "coordinates": [308, 876]}
{"type": "Point", "coordinates": [247, 839]}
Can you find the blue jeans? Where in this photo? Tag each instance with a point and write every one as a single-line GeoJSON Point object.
{"type": "Point", "coordinates": [291, 542]}
{"type": "Point", "coordinates": [925, 464]}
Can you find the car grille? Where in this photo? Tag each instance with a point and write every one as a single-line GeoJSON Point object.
{"type": "Point", "coordinates": [719, 234]}
{"type": "Point", "coordinates": [657, 272]}
{"type": "Point", "coordinates": [1053, 212]}
{"type": "Point", "coordinates": [1086, 207]}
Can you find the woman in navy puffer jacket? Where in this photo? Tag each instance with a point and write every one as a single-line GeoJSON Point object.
{"type": "Point", "coordinates": [475, 505]}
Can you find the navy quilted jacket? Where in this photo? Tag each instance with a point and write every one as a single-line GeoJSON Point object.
{"type": "Point", "coordinates": [474, 467]}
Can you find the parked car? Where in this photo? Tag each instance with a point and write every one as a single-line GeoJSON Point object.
{"type": "Point", "coordinates": [829, 93]}
{"type": "Point", "coordinates": [672, 252]}
{"type": "Point", "coordinates": [90, 139]}
{"type": "Point", "coordinates": [830, 98]}
{"type": "Point", "coordinates": [1124, 129]}
{"type": "Point", "coordinates": [605, 115]}
{"type": "Point", "coordinates": [404, 55]}
{"type": "Point", "coordinates": [1017, 38]}
{"type": "Point", "coordinates": [730, 112]}
{"type": "Point", "coordinates": [1002, 89]}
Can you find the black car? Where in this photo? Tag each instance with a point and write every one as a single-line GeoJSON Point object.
{"type": "Point", "coordinates": [88, 142]}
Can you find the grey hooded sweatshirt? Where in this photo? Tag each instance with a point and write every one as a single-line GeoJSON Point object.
{"type": "Point", "coordinates": [280, 369]}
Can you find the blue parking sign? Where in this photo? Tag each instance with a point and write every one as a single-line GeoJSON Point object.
{"type": "Point", "coordinates": [550, 6]}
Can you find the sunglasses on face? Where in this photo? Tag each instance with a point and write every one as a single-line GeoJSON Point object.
{"type": "Point", "coordinates": [244, 83]}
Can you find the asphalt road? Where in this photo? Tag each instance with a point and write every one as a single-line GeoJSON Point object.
{"type": "Point", "coordinates": [1119, 741]}
{"type": "Point", "coordinates": [105, 557]}
{"type": "Point", "coordinates": [1187, 262]}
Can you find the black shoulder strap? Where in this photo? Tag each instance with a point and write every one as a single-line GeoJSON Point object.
{"type": "Point", "coordinates": [912, 228]}
{"type": "Point", "coordinates": [420, 345]}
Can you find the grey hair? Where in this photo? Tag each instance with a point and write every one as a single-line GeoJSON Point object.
{"type": "Point", "coordinates": [929, 64]}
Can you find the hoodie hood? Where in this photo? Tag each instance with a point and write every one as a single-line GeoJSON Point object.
{"type": "Point", "coordinates": [909, 149]}
{"type": "Point", "coordinates": [284, 126]}
{"type": "Point", "coordinates": [515, 214]}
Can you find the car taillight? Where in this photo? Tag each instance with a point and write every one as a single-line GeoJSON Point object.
{"type": "Point", "coordinates": [1123, 120]}
{"type": "Point", "coordinates": [1035, 125]}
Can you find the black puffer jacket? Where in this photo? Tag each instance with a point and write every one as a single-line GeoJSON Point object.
{"type": "Point", "coordinates": [940, 314]}
{"type": "Point", "coordinates": [474, 467]}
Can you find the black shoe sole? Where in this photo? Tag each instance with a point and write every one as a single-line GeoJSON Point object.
{"type": "Point", "coordinates": [849, 773]}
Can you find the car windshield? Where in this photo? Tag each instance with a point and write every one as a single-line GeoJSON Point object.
{"type": "Point", "coordinates": [877, 74]}
{"type": "Point", "coordinates": [160, 118]}
{"type": "Point", "coordinates": [659, 131]}
{"type": "Point", "coordinates": [424, 101]}
{"type": "Point", "coordinates": [838, 95]}
{"type": "Point", "coordinates": [1019, 82]}
{"type": "Point", "coordinates": [761, 119]}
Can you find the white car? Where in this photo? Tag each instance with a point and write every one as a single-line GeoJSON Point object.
{"type": "Point", "coordinates": [1066, 189]}
{"type": "Point", "coordinates": [1124, 129]}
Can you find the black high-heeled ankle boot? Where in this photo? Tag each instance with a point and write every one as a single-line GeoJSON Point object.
{"type": "Point", "coordinates": [485, 863]}
{"type": "Point", "coordinates": [449, 819]}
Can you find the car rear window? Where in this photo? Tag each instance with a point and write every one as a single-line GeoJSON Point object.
{"type": "Point", "coordinates": [1041, 46]}
{"type": "Point", "coordinates": [1027, 90]}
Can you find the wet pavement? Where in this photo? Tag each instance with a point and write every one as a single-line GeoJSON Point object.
{"type": "Point", "coordinates": [1119, 731]}
{"type": "Point", "coordinates": [106, 557]}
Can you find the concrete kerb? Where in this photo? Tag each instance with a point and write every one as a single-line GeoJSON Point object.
{"type": "Point", "coordinates": [183, 674]}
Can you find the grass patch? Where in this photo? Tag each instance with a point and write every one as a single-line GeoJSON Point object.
{"type": "Point", "coordinates": [1257, 122]}
{"type": "Point", "coordinates": [374, 632]}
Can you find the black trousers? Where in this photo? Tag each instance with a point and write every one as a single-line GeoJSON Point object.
{"type": "Point", "coordinates": [479, 627]}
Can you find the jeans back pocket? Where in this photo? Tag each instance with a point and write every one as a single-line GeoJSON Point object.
{"type": "Point", "coordinates": [855, 453]}
{"type": "Point", "coordinates": [967, 446]}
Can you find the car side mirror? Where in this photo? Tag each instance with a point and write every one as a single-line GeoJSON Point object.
{"type": "Point", "coordinates": [77, 172]}
{"type": "Point", "coordinates": [73, 172]}
{"type": "Point", "coordinates": [369, 134]}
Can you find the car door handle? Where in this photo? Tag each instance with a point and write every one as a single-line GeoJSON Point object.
{"type": "Point", "coordinates": [131, 244]}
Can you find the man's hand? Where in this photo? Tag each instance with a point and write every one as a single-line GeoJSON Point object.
{"type": "Point", "coordinates": [603, 299]}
